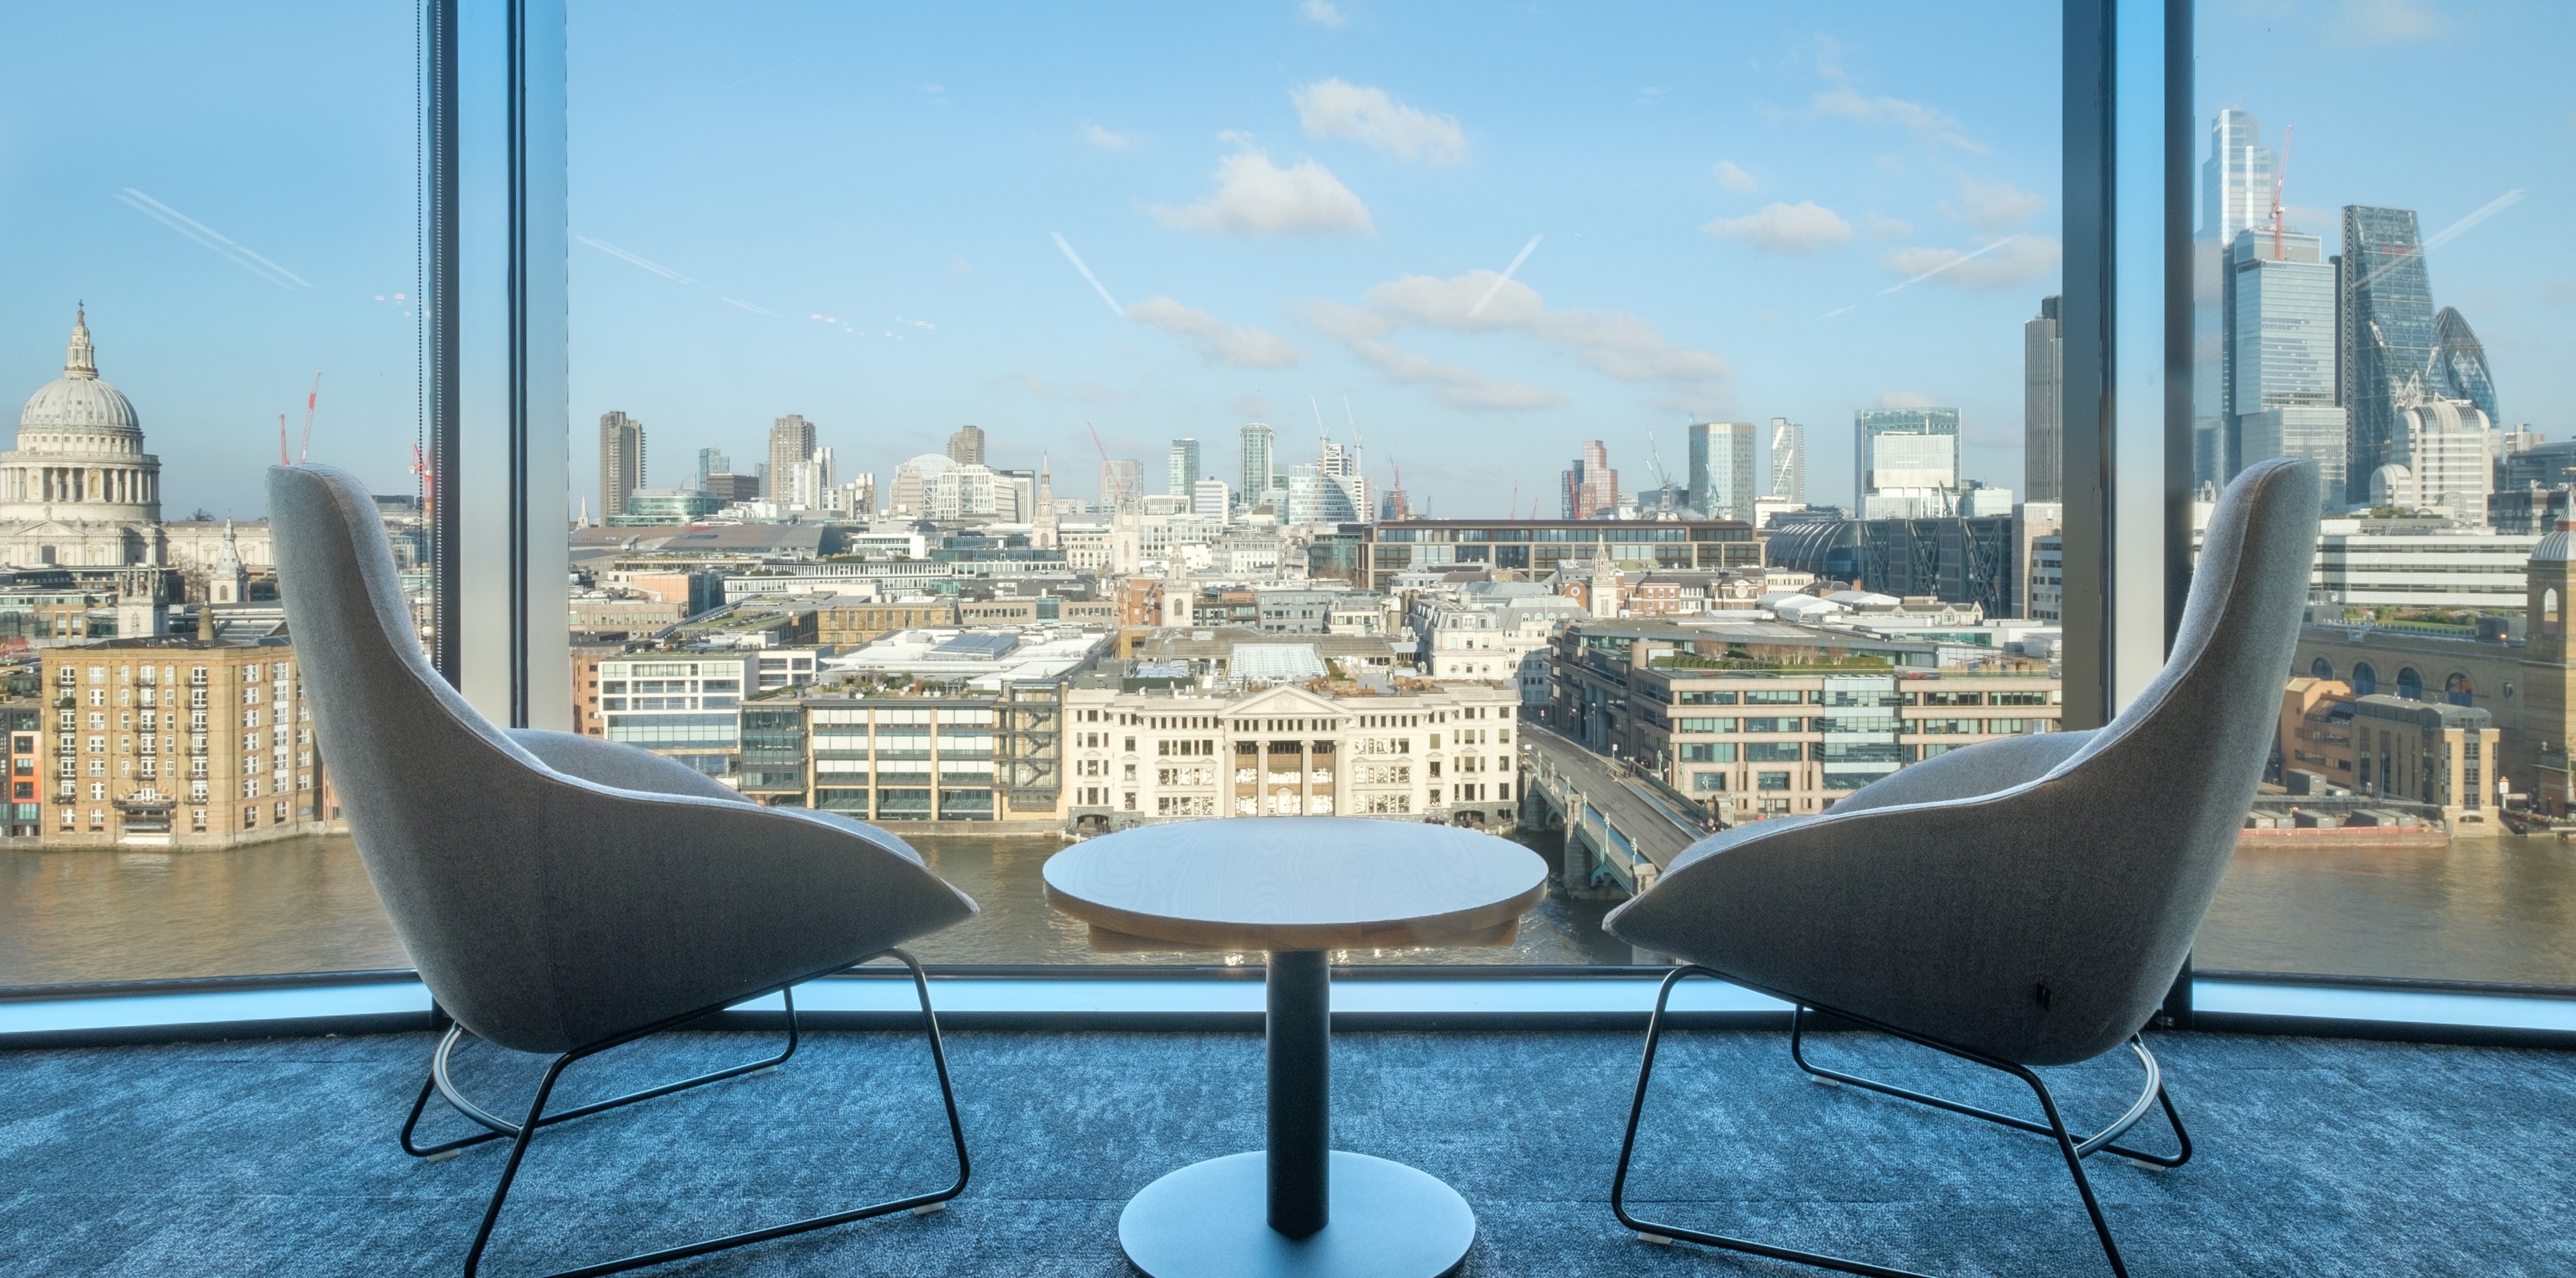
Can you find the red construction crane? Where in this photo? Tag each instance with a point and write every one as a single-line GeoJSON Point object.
{"type": "Point", "coordinates": [311, 397]}
{"type": "Point", "coordinates": [1108, 473]}
{"type": "Point", "coordinates": [419, 469]}
{"type": "Point", "coordinates": [2280, 176]}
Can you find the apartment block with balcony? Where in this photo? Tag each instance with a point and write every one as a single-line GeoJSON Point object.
{"type": "Point", "coordinates": [169, 741]}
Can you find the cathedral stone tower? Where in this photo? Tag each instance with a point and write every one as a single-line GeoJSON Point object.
{"type": "Point", "coordinates": [2548, 684]}
{"type": "Point", "coordinates": [79, 491]}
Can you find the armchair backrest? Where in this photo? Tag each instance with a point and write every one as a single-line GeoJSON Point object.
{"type": "Point", "coordinates": [425, 779]}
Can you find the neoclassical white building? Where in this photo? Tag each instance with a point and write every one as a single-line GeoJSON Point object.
{"type": "Point", "coordinates": [79, 491]}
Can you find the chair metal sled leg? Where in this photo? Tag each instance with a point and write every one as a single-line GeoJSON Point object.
{"type": "Point", "coordinates": [2073, 1149]}
{"type": "Point", "coordinates": [2152, 1095]}
{"type": "Point", "coordinates": [522, 1133]}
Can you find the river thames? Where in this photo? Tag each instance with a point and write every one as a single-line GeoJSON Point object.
{"type": "Point", "coordinates": [2493, 910]}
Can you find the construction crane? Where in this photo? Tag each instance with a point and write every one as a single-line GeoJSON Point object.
{"type": "Point", "coordinates": [1655, 462]}
{"type": "Point", "coordinates": [311, 398]}
{"type": "Point", "coordinates": [419, 469]}
{"type": "Point", "coordinates": [2280, 176]}
{"type": "Point", "coordinates": [1108, 473]}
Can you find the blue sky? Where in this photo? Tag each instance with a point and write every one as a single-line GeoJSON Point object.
{"type": "Point", "coordinates": [1288, 202]}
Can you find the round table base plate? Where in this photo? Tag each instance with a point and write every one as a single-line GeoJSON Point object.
{"type": "Point", "coordinates": [1212, 1218]}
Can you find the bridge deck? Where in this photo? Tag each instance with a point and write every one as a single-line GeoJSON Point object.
{"type": "Point", "coordinates": [1637, 830]}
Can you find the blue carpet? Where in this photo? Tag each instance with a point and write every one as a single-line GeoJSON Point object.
{"type": "Point", "coordinates": [278, 1156]}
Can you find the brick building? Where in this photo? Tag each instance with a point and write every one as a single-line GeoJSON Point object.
{"type": "Point", "coordinates": [177, 741]}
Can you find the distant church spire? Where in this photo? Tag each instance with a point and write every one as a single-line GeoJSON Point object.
{"type": "Point", "coordinates": [83, 360]}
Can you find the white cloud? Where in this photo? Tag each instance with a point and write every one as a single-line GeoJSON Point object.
{"type": "Point", "coordinates": [1804, 227]}
{"type": "Point", "coordinates": [1089, 392]}
{"type": "Point", "coordinates": [1230, 345]}
{"type": "Point", "coordinates": [2025, 260]}
{"type": "Point", "coordinates": [1883, 227]}
{"type": "Point", "coordinates": [2387, 22]}
{"type": "Point", "coordinates": [1992, 205]}
{"type": "Point", "coordinates": [1613, 343]}
{"type": "Point", "coordinates": [1256, 197]}
{"type": "Point", "coordinates": [1904, 399]}
{"type": "Point", "coordinates": [1323, 14]}
{"type": "Point", "coordinates": [1103, 138]}
{"type": "Point", "coordinates": [1733, 177]}
{"type": "Point", "coordinates": [1619, 344]}
{"type": "Point", "coordinates": [1843, 102]}
{"type": "Point", "coordinates": [1454, 384]}
{"type": "Point", "coordinates": [1337, 109]}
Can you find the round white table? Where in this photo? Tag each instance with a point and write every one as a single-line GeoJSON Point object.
{"type": "Point", "coordinates": [1297, 887]}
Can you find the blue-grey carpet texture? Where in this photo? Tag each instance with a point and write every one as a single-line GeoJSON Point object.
{"type": "Point", "coordinates": [278, 1157]}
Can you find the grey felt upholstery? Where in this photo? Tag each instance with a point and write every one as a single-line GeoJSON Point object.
{"type": "Point", "coordinates": [1947, 897]}
{"type": "Point", "coordinates": [555, 890]}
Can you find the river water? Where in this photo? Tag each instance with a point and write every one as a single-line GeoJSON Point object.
{"type": "Point", "coordinates": [2479, 910]}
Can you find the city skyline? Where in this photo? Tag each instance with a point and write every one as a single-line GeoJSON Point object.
{"type": "Point", "coordinates": [215, 347]}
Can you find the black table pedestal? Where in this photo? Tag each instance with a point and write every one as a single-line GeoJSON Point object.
{"type": "Point", "coordinates": [1300, 1207]}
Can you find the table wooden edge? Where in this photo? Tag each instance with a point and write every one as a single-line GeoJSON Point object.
{"type": "Point", "coordinates": [1430, 931]}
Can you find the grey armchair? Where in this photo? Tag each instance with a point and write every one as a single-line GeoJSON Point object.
{"type": "Point", "coordinates": [565, 895]}
{"type": "Point", "coordinates": [2024, 902]}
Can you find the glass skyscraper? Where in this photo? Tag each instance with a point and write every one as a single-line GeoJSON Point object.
{"type": "Point", "coordinates": [2235, 193]}
{"type": "Point", "coordinates": [2043, 390]}
{"type": "Point", "coordinates": [1906, 458]}
{"type": "Point", "coordinates": [2460, 367]}
{"type": "Point", "coordinates": [1722, 479]}
{"type": "Point", "coordinates": [1256, 439]}
{"type": "Point", "coordinates": [1788, 460]}
{"type": "Point", "coordinates": [2281, 353]}
{"type": "Point", "coordinates": [1183, 477]}
{"type": "Point", "coordinates": [2387, 340]}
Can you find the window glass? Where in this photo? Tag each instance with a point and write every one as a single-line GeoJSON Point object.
{"type": "Point", "coordinates": [1121, 384]}
{"type": "Point", "coordinates": [211, 269]}
{"type": "Point", "coordinates": [2403, 326]}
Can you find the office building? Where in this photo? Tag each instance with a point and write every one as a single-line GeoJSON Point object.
{"type": "Point", "coordinates": [791, 440]}
{"type": "Point", "coordinates": [1723, 481]}
{"type": "Point", "coordinates": [728, 489]}
{"type": "Point", "coordinates": [1907, 462]}
{"type": "Point", "coordinates": [1118, 487]}
{"type": "Point", "coordinates": [1591, 487]}
{"type": "Point", "coordinates": [683, 706]}
{"type": "Point", "coordinates": [2235, 194]}
{"type": "Point", "coordinates": [966, 447]}
{"type": "Point", "coordinates": [647, 507]}
{"type": "Point", "coordinates": [1536, 548]}
{"type": "Point", "coordinates": [1788, 462]}
{"type": "Point", "coordinates": [1245, 749]}
{"type": "Point", "coordinates": [2387, 339]}
{"type": "Point", "coordinates": [621, 461]}
{"type": "Point", "coordinates": [2313, 431]}
{"type": "Point", "coordinates": [1770, 738]}
{"type": "Point", "coordinates": [2280, 318]}
{"type": "Point", "coordinates": [2424, 754]}
{"type": "Point", "coordinates": [1209, 499]}
{"type": "Point", "coordinates": [2460, 364]}
{"type": "Point", "coordinates": [1256, 441]}
{"type": "Point", "coordinates": [2043, 390]}
{"type": "Point", "coordinates": [2443, 457]}
{"type": "Point", "coordinates": [711, 463]}
{"type": "Point", "coordinates": [1181, 477]}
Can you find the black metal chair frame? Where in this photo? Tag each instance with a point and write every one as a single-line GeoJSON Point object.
{"type": "Point", "coordinates": [2075, 1149]}
{"type": "Point", "coordinates": [522, 1133]}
